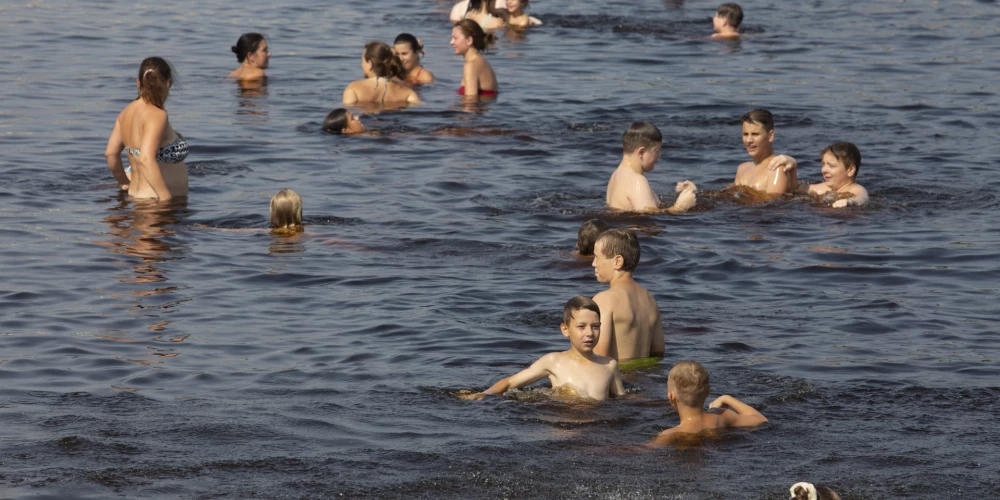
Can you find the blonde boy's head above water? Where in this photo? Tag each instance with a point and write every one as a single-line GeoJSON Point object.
{"type": "Point", "coordinates": [688, 384]}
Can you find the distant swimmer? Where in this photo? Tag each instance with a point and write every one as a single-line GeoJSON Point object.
{"type": "Point", "coordinates": [687, 389]}
{"type": "Point", "coordinates": [342, 122]}
{"type": "Point", "coordinates": [841, 162]}
{"type": "Point", "coordinates": [286, 211]}
{"type": "Point", "coordinates": [630, 318]}
{"type": "Point", "coordinates": [769, 174]}
{"type": "Point", "coordinates": [726, 22]}
{"type": "Point", "coordinates": [587, 236]}
{"type": "Point", "coordinates": [156, 152]}
{"type": "Point", "coordinates": [516, 17]}
{"type": "Point", "coordinates": [628, 188]}
{"type": "Point", "coordinates": [485, 13]}
{"type": "Point", "coordinates": [808, 491]}
{"type": "Point", "coordinates": [578, 369]}
{"type": "Point", "coordinates": [254, 55]}
{"type": "Point", "coordinates": [409, 48]}
{"type": "Point", "coordinates": [478, 79]}
{"type": "Point", "coordinates": [380, 67]}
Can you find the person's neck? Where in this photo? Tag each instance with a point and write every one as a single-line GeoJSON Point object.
{"type": "Point", "coordinates": [621, 278]}
{"type": "Point", "coordinates": [471, 54]}
{"type": "Point", "coordinates": [845, 187]}
{"type": "Point", "coordinates": [729, 31]}
{"type": "Point", "coordinates": [631, 163]}
{"type": "Point", "coordinates": [580, 356]}
{"type": "Point", "coordinates": [690, 416]}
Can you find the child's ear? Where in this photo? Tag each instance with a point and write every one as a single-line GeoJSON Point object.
{"type": "Point", "coordinates": [852, 171]}
{"type": "Point", "coordinates": [770, 136]}
{"type": "Point", "coordinates": [564, 328]}
{"type": "Point", "coordinates": [672, 398]}
{"type": "Point", "coordinates": [619, 262]}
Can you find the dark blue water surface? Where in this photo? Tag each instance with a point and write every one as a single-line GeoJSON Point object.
{"type": "Point", "coordinates": [153, 352]}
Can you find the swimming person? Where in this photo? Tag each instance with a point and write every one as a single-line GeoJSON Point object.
{"type": "Point", "coordinates": [478, 78]}
{"type": "Point", "coordinates": [380, 66]}
{"type": "Point", "coordinates": [587, 236]}
{"type": "Point", "coordinates": [286, 211]}
{"type": "Point", "coordinates": [726, 22]}
{"type": "Point", "coordinates": [808, 491]}
{"type": "Point", "coordinates": [156, 152]}
{"type": "Point", "coordinates": [578, 369]}
{"type": "Point", "coordinates": [841, 161]}
{"type": "Point", "coordinates": [460, 8]}
{"type": "Point", "coordinates": [761, 174]}
{"type": "Point", "coordinates": [409, 48]}
{"type": "Point", "coordinates": [254, 56]}
{"type": "Point", "coordinates": [630, 318]}
{"type": "Point", "coordinates": [342, 122]}
{"type": "Point", "coordinates": [687, 389]}
{"type": "Point", "coordinates": [487, 16]}
{"type": "Point", "coordinates": [628, 188]}
{"type": "Point", "coordinates": [516, 17]}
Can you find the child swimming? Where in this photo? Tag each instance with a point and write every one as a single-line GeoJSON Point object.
{"type": "Point", "coordinates": [841, 162]}
{"type": "Point", "coordinates": [768, 174]}
{"type": "Point", "coordinates": [286, 211]}
{"type": "Point", "coordinates": [587, 236]}
{"type": "Point", "coordinates": [628, 188]}
{"type": "Point", "coordinates": [516, 17]}
{"type": "Point", "coordinates": [342, 122]}
{"type": "Point", "coordinates": [727, 21]}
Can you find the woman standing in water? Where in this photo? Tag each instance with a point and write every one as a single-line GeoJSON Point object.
{"type": "Point", "coordinates": [253, 54]}
{"type": "Point", "coordinates": [409, 48]}
{"type": "Point", "coordinates": [469, 40]}
{"type": "Point", "coordinates": [380, 66]}
{"type": "Point", "coordinates": [156, 152]}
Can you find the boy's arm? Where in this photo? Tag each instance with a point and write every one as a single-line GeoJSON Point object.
{"type": "Point", "coordinates": [686, 199]}
{"type": "Point", "coordinates": [607, 337]}
{"type": "Point", "coordinates": [537, 371]}
{"type": "Point", "coordinates": [643, 198]}
{"type": "Point", "coordinates": [617, 386]}
{"type": "Point", "coordinates": [656, 347]}
{"type": "Point", "coordinates": [745, 415]}
{"type": "Point", "coordinates": [860, 198]}
{"type": "Point", "coordinates": [785, 175]}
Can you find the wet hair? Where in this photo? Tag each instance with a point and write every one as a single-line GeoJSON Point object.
{"type": "Point", "coordinates": [336, 121]}
{"type": "Point", "coordinates": [472, 29]}
{"type": "Point", "coordinates": [588, 234]}
{"type": "Point", "coordinates": [410, 40]}
{"type": "Point", "coordinates": [760, 116]}
{"type": "Point", "coordinates": [155, 76]}
{"type": "Point", "coordinates": [286, 209]}
{"type": "Point", "coordinates": [732, 12]}
{"type": "Point", "coordinates": [847, 153]}
{"type": "Point", "coordinates": [624, 242]}
{"type": "Point", "coordinates": [802, 491]}
{"type": "Point", "coordinates": [385, 62]}
{"type": "Point", "coordinates": [641, 135]}
{"type": "Point", "coordinates": [577, 303]}
{"type": "Point", "coordinates": [247, 44]}
{"type": "Point", "coordinates": [691, 382]}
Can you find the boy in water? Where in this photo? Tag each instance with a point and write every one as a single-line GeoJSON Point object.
{"type": "Point", "coordinates": [687, 388]}
{"type": "Point", "coordinates": [726, 22]}
{"type": "Point", "coordinates": [587, 236]}
{"type": "Point", "coordinates": [628, 188]}
{"type": "Point", "coordinates": [767, 173]}
{"type": "Point", "coordinates": [841, 161]}
{"type": "Point", "coordinates": [578, 369]}
{"type": "Point", "coordinates": [630, 317]}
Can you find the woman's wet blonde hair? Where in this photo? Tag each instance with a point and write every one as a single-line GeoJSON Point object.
{"type": "Point", "coordinates": [286, 210]}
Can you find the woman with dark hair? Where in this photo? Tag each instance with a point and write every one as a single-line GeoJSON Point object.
{"type": "Point", "coordinates": [253, 54]}
{"type": "Point", "coordinates": [485, 12]}
{"type": "Point", "coordinates": [380, 66]}
{"type": "Point", "coordinates": [156, 152]}
{"type": "Point", "coordinates": [469, 40]}
{"type": "Point", "coordinates": [409, 48]}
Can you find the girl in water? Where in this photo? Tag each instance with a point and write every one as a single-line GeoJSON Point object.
{"type": "Point", "coordinates": [253, 54]}
{"type": "Point", "coordinates": [286, 211]}
{"type": "Point", "coordinates": [469, 40]}
{"type": "Point", "coordinates": [380, 66]}
{"type": "Point", "coordinates": [342, 122]}
{"type": "Point", "coordinates": [156, 152]}
{"type": "Point", "coordinates": [409, 49]}
{"type": "Point", "coordinates": [517, 18]}
{"type": "Point", "coordinates": [484, 12]}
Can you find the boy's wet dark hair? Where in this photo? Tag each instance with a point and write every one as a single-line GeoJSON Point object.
{"type": "Point", "coordinates": [588, 234]}
{"type": "Point", "coordinates": [691, 381]}
{"type": "Point", "coordinates": [641, 135]}
{"type": "Point", "coordinates": [336, 121]}
{"type": "Point", "coordinates": [762, 117]}
{"type": "Point", "coordinates": [577, 303]}
{"type": "Point", "coordinates": [624, 242]}
{"type": "Point", "coordinates": [732, 12]}
{"type": "Point", "coordinates": [847, 153]}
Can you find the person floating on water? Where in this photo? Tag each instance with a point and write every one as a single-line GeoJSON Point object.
{"type": "Point", "coordinates": [380, 67]}
{"type": "Point", "coordinates": [516, 18]}
{"type": "Point", "coordinates": [579, 368]}
{"type": "Point", "coordinates": [630, 317]}
{"type": "Point", "coordinates": [286, 211]}
{"type": "Point", "coordinates": [841, 162]}
{"type": "Point", "coordinates": [628, 188]}
{"type": "Point", "coordinates": [254, 55]}
{"type": "Point", "coordinates": [478, 78]}
{"type": "Point", "coordinates": [687, 389]}
{"type": "Point", "coordinates": [342, 122]}
{"type": "Point", "coordinates": [768, 174]}
{"type": "Point", "coordinates": [587, 236]}
{"type": "Point", "coordinates": [409, 49]}
{"type": "Point", "coordinates": [726, 22]}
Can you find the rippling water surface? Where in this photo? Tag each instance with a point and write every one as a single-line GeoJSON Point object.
{"type": "Point", "coordinates": [159, 351]}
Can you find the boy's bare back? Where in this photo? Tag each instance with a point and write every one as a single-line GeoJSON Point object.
{"type": "Point", "coordinates": [630, 322]}
{"type": "Point", "coordinates": [630, 191]}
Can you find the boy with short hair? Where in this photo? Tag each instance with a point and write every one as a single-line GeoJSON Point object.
{"type": "Point", "coordinates": [687, 388]}
{"type": "Point", "coordinates": [726, 22]}
{"type": "Point", "coordinates": [841, 162]}
{"type": "Point", "coordinates": [587, 236]}
{"type": "Point", "coordinates": [630, 318]}
{"type": "Point", "coordinates": [579, 369]}
{"type": "Point", "coordinates": [769, 174]}
{"type": "Point", "coordinates": [628, 188]}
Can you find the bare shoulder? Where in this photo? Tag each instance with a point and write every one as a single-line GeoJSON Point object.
{"type": "Point", "coordinates": [744, 167]}
{"type": "Point", "coordinates": [607, 298]}
{"type": "Point", "coordinates": [858, 190]}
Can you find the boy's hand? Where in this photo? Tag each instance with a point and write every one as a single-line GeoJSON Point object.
{"type": "Point", "coordinates": [686, 186]}
{"type": "Point", "coordinates": [784, 162]}
{"type": "Point", "coordinates": [720, 402]}
{"type": "Point", "coordinates": [843, 203]}
{"type": "Point", "coordinates": [470, 396]}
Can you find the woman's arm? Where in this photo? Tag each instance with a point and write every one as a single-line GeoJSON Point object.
{"type": "Point", "coordinates": [113, 153]}
{"type": "Point", "coordinates": [149, 169]}
{"type": "Point", "coordinates": [471, 77]}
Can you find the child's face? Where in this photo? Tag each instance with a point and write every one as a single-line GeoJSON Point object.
{"type": "Point", "coordinates": [835, 174]}
{"type": "Point", "coordinates": [354, 125]}
{"type": "Point", "coordinates": [583, 331]}
{"type": "Point", "coordinates": [719, 22]}
{"type": "Point", "coordinates": [604, 266]}
{"type": "Point", "coordinates": [649, 157]}
{"type": "Point", "coordinates": [756, 140]}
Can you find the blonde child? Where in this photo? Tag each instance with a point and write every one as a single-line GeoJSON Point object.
{"type": "Point", "coordinates": [286, 211]}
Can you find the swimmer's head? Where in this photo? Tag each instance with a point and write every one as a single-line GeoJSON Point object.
{"type": "Point", "coordinates": [688, 384]}
{"type": "Point", "coordinates": [732, 13]}
{"type": "Point", "coordinates": [581, 324]}
{"type": "Point", "coordinates": [641, 135]}
{"type": "Point", "coordinates": [252, 48]}
{"type": "Point", "coordinates": [155, 79]}
{"type": "Point", "coordinates": [341, 121]}
{"type": "Point", "coordinates": [468, 33]}
{"type": "Point", "coordinates": [408, 48]}
{"type": "Point", "coordinates": [588, 234]}
{"type": "Point", "coordinates": [575, 304]}
{"type": "Point", "coordinates": [612, 245]}
{"type": "Point", "coordinates": [286, 210]}
{"type": "Point", "coordinates": [807, 491]}
{"type": "Point", "coordinates": [516, 5]}
{"type": "Point", "coordinates": [760, 117]}
{"type": "Point", "coordinates": [848, 154]}
{"type": "Point", "coordinates": [379, 60]}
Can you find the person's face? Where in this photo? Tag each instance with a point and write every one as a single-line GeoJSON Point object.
{"type": "Point", "coordinates": [407, 55]}
{"type": "Point", "coordinates": [583, 331]}
{"type": "Point", "coordinates": [605, 267]}
{"type": "Point", "coordinates": [718, 22]}
{"type": "Point", "coordinates": [649, 157]}
{"type": "Point", "coordinates": [262, 57]}
{"type": "Point", "coordinates": [514, 5]}
{"type": "Point", "coordinates": [835, 174]}
{"type": "Point", "coordinates": [366, 66]}
{"type": "Point", "coordinates": [756, 139]}
{"type": "Point", "coordinates": [354, 125]}
{"type": "Point", "coordinates": [459, 41]}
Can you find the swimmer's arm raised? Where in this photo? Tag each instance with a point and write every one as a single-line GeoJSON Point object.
{"type": "Point", "coordinates": [148, 168]}
{"type": "Point", "coordinates": [784, 168]}
{"type": "Point", "coordinates": [113, 153]}
{"type": "Point", "coordinates": [745, 415]}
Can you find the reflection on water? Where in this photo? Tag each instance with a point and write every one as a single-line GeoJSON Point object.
{"type": "Point", "coordinates": [248, 93]}
{"type": "Point", "coordinates": [142, 229]}
{"type": "Point", "coordinates": [286, 242]}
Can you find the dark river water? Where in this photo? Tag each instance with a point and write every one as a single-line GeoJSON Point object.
{"type": "Point", "coordinates": [154, 352]}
